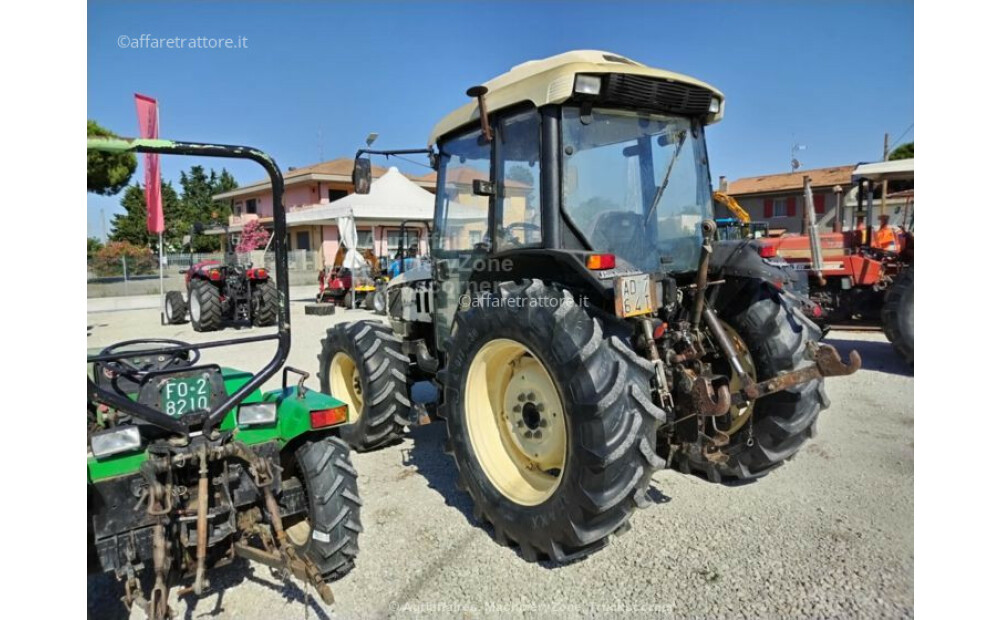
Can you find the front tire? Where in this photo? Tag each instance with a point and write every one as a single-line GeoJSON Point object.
{"type": "Point", "coordinates": [362, 363]}
{"type": "Point", "coordinates": [205, 306]}
{"type": "Point", "coordinates": [329, 534]}
{"type": "Point", "coordinates": [174, 308]}
{"type": "Point", "coordinates": [563, 506]}
{"type": "Point", "coordinates": [897, 315]}
{"type": "Point", "coordinates": [772, 333]}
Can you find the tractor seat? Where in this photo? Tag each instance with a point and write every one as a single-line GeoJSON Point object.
{"type": "Point", "coordinates": [625, 234]}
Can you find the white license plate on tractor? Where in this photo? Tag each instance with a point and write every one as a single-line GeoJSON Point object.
{"type": "Point", "coordinates": [634, 295]}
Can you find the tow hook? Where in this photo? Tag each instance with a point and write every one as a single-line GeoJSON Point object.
{"type": "Point", "coordinates": [828, 364]}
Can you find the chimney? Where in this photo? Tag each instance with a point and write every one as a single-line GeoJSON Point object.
{"type": "Point", "coordinates": [723, 184]}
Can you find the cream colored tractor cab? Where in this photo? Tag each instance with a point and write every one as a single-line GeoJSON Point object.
{"type": "Point", "coordinates": [581, 328]}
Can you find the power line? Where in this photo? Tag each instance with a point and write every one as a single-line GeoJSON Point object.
{"type": "Point", "coordinates": [901, 136]}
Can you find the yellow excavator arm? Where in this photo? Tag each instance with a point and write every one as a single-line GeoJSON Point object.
{"type": "Point", "coordinates": [734, 207]}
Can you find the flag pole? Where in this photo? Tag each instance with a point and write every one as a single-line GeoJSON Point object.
{"type": "Point", "coordinates": [163, 318]}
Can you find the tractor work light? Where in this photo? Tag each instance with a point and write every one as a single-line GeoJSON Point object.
{"type": "Point", "coordinates": [257, 414]}
{"type": "Point", "coordinates": [601, 261]}
{"type": "Point", "coordinates": [327, 417]}
{"type": "Point", "coordinates": [587, 85]}
{"type": "Point", "coordinates": [714, 106]}
{"type": "Point", "coordinates": [115, 441]}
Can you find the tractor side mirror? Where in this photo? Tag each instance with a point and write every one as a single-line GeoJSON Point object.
{"type": "Point", "coordinates": [362, 175]}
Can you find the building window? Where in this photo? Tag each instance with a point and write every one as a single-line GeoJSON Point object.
{"type": "Point", "coordinates": [475, 236]}
{"type": "Point", "coordinates": [251, 205]}
{"type": "Point", "coordinates": [238, 209]}
{"type": "Point", "coordinates": [335, 194]}
{"type": "Point", "coordinates": [302, 240]}
{"type": "Point", "coordinates": [780, 208]}
{"type": "Point", "coordinates": [366, 239]}
{"type": "Point", "coordinates": [411, 239]}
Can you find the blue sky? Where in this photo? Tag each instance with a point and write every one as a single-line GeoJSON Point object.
{"type": "Point", "coordinates": [318, 77]}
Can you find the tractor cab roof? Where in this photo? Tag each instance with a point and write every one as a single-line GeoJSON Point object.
{"type": "Point", "coordinates": [551, 80]}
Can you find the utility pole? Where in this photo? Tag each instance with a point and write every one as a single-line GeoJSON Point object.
{"type": "Point", "coordinates": [885, 184]}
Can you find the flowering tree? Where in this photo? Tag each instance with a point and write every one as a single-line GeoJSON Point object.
{"type": "Point", "coordinates": [253, 237]}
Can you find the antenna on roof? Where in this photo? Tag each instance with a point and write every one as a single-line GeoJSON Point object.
{"type": "Point", "coordinates": [796, 164]}
{"type": "Point", "coordinates": [372, 137]}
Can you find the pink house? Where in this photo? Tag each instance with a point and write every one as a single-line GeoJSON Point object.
{"type": "Point", "coordinates": [314, 186]}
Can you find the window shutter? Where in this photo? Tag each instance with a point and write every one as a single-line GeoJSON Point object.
{"type": "Point", "coordinates": [819, 202]}
{"type": "Point", "coordinates": [768, 208]}
{"type": "Point", "coordinates": [790, 212]}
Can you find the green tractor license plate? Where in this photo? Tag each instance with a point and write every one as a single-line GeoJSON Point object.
{"type": "Point", "coordinates": [634, 295]}
{"type": "Point", "coordinates": [184, 395]}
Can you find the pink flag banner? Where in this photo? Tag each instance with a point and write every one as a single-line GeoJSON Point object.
{"type": "Point", "coordinates": [149, 127]}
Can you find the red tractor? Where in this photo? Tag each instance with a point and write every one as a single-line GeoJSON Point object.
{"type": "Point", "coordinates": [221, 293]}
{"type": "Point", "coordinates": [851, 279]}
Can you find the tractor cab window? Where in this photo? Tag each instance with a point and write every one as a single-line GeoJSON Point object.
{"type": "Point", "coordinates": [459, 211]}
{"type": "Point", "coordinates": [636, 185]}
{"type": "Point", "coordinates": [518, 216]}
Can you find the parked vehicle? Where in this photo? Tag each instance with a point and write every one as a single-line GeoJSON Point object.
{"type": "Point", "coordinates": [220, 293]}
{"type": "Point", "coordinates": [582, 329]}
{"type": "Point", "coordinates": [190, 464]}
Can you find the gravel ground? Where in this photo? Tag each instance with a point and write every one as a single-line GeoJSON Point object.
{"type": "Point", "coordinates": [829, 534]}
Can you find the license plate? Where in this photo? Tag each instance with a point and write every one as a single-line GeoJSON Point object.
{"type": "Point", "coordinates": [634, 295]}
{"type": "Point", "coordinates": [184, 395]}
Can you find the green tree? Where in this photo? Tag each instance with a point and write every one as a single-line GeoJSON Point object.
{"type": "Point", "coordinates": [131, 225]}
{"type": "Point", "coordinates": [197, 189]}
{"type": "Point", "coordinates": [903, 151]}
{"type": "Point", "coordinates": [107, 173]}
{"type": "Point", "coordinates": [93, 245]}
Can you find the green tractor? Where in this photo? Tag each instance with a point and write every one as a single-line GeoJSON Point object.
{"type": "Point", "coordinates": [581, 326]}
{"type": "Point", "coordinates": [190, 464]}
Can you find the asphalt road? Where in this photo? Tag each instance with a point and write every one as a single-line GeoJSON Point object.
{"type": "Point", "coordinates": [829, 534]}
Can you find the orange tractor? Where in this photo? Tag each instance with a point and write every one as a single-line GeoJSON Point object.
{"type": "Point", "coordinates": [862, 275]}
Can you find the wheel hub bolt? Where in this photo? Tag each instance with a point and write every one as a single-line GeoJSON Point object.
{"type": "Point", "coordinates": [538, 434]}
{"type": "Point", "coordinates": [543, 423]}
{"type": "Point", "coordinates": [521, 397]}
{"type": "Point", "coordinates": [517, 408]}
{"type": "Point", "coordinates": [531, 396]}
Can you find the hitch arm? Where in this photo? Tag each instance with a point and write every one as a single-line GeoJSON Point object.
{"type": "Point", "coordinates": [828, 364]}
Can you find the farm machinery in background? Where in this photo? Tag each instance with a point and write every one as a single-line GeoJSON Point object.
{"type": "Point", "coordinates": [191, 465]}
{"type": "Point", "coordinates": [854, 280]}
{"type": "Point", "coordinates": [230, 292]}
{"type": "Point", "coordinates": [740, 226]}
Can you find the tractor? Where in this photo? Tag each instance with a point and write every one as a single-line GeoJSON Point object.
{"type": "Point", "coordinates": [581, 328]}
{"type": "Point", "coordinates": [230, 292]}
{"type": "Point", "coordinates": [851, 279]}
{"type": "Point", "coordinates": [190, 464]}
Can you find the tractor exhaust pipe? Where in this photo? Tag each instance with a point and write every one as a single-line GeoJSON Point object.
{"type": "Point", "coordinates": [479, 92]}
{"type": "Point", "coordinates": [701, 284]}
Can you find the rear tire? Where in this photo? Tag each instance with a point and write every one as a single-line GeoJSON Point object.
{"type": "Point", "coordinates": [776, 333]}
{"type": "Point", "coordinates": [610, 424]}
{"type": "Point", "coordinates": [330, 535]}
{"type": "Point", "coordinates": [370, 301]}
{"type": "Point", "coordinates": [174, 308]}
{"type": "Point", "coordinates": [362, 363]}
{"type": "Point", "coordinates": [897, 315]}
{"type": "Point", "coordinates": [265, 304]}
{"type": "Point", "coordinates": [205, 306]}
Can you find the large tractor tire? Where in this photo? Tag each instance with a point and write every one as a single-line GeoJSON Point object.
{"type": "Point", "coordinates": [174, 308]}
{"type": "Point", "coordinates": [897, 315]}
{"type": "Point", "coordinates": [362, 363]}
{"type": "Point", "coordinates": [770, 333]}
{"type": "Point", "coordinates": [549, 421]}
{"type": "Point", "coordinates": [265, 304]}
{"type": "Point", "coordinates": [328, 534]}
{"type": "Point", "coordinates": [205, 306]}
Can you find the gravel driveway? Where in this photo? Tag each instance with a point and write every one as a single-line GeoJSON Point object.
{"type": "Point", "coordinates": [829, 534]}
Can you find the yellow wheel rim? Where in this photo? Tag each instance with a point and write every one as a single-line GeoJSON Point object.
{"type": "Point", "coordinates": [515, 421]}
{"type": "Point", "coordinates": [739, 415]}
{"type": "Point", "coordinates": [345, 384]}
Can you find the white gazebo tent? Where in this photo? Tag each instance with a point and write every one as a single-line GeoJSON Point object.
{"type": "Point", "coordinates": [392, 199]}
